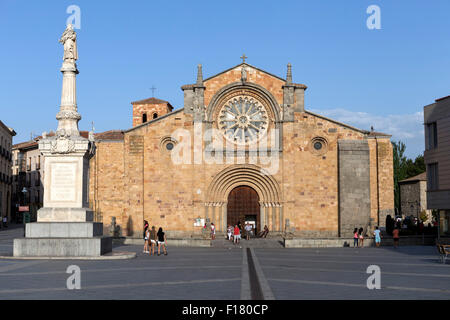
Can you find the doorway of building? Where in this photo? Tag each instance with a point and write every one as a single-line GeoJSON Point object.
{"type": "Point", "coordinates": [243, 205]}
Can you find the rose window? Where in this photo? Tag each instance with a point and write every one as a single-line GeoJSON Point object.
{"type": "Point", "coordinates": [243, 120]}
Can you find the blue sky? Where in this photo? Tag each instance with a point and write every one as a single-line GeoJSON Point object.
{"type": "Point", "coordinates": [360, 76]}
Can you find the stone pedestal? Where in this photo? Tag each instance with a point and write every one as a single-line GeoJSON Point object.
{"type": "Point", "coordinates": [62, 247]}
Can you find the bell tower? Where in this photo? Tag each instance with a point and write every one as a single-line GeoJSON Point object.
{"type": "Point", "coordinates": [149, 109]}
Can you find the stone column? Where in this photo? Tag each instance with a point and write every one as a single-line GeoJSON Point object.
{"type": "Point", "coordinates": [269, 217]}
{"type": "Point", "coordinates": [65, 224]}
{"type": "Point", "coordinates": [275, 218]}
{"type": "Point", "coordinates": [224, 217]}
{"type": "Point", "coordinates": [213, 214]}
{"type": "Point", "coordinates": [206, 211]}
{"type": "Point", "coordinates": [262, 216]}
{"type": "Point", "coordinates": [280, 208]}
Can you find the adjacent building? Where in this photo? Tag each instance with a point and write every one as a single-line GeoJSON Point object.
{"type": "Point", "coordinates": [413, 197]}
{"type": "Point", "coordinates": [437, 160]}
{"type": "Point", "coordinates": [6, 135]}
{"type": "Point", "coordinates": [27, 189]}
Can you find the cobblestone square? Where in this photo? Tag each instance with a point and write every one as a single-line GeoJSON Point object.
{"type": "Point", "coordinates": [222, 274]}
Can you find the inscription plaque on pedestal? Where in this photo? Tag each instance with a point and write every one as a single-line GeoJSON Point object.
{"type": "Point", "coordinates": [63, 184]}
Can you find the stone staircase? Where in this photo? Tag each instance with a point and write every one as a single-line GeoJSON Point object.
{"type": "Point", "coordinates": [272, 242]}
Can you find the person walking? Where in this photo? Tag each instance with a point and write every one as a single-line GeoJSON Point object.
{"type": "Point", "coordinates": [5, 222]}
{"type": "Point", "coordinates": [361, 237]}
{"type": "Point", "coordinates": [396, 236]}
{"type": "Point", "coordinates": [248, 230]}
{"type": "Point", "coordinates": [145, 237]}
{"type": "Point", "coordinates": [355, 237]}
{"type": "Point", "coordinates": [377, 235]}
{"type": "Point", "coordinates": [237, 234]}
{"type": "Point", "coordinates": [161, 241]}
{"type": "Point", "coordinates": [153, 240]}
{"type": "Point", "coordinates": [213, 231]}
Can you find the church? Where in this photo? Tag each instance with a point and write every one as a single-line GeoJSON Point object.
{"type": "Point", "coordinates": [242, 148]}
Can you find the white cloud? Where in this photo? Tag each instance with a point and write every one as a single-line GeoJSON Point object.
{"type": "Point", "coordinates": [405, 127]}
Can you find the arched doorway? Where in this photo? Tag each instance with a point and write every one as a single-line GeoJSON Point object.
{"type": "Point", "coordinates": [243, 205]}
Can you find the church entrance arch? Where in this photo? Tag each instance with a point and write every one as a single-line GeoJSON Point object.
{"type": "Point", "coordinates": [243, 206]}
{"type": "Point", "coordinates": [238, 184]}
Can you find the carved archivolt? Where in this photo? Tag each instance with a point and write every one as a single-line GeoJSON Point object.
{"type": "Point", "coordinates": [250, 90]}
{"type": "Point", "coordinates": [244, 175]}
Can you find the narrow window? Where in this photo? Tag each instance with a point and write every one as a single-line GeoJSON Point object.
{"type": "Point", "coordinates": [431, 136]}
{"type": "Point", "coordinates": [144, 118]}
{"type": "Point", "coordinates": [432, 172]}
{"type": "Point", "coordinates": [155, 115]}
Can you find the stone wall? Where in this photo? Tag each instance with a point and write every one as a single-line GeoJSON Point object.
{"type": "Point", "coordinates": [354, 186]}
{"type": "Point", "coordinates": [271, 83]}
{"type": "Point", "coordinates": [106, 184]}
{"type": "Point", "coordinates": [413, 197]}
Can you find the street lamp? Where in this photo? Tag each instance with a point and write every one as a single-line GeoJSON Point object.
{"type": "Point", "coordinates": [24, 192]}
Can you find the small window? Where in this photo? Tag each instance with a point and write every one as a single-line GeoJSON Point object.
{"type": "Point", "coordinates": [318, 145]}
{"type": "Point", "coordinates": [431, 135]}
{"type": "Point", "coordinates": [155, 115]}
{"type": "Point", "coordinates": [169, 146]}
{"type": "Point", "coordinates": [432, 176]}
{"type": "Point", "coordinates": [144, 118]}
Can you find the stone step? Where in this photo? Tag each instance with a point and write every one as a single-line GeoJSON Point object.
{"type": "Point", "coordinates": [252, 243]}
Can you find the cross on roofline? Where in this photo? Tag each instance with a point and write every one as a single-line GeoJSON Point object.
{"type": "Point", "coordinates": [243, 58]}
{"type": "Point", "coordinates": [153, 90]}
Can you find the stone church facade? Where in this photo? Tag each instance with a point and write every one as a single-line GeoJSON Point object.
{"type": "Point", "coordinates": [243, 148]}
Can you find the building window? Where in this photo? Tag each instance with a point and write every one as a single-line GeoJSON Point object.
{"type": "Point", "coordinates": [144, 118]}
{"type": "Point", "coordinates": [318, 146]}
{"type": "Point", "coordinates": [169, 146]}
{"type": "Point", "coordinates": [155, 115]}
{"type": "Point", "coordinates": [432, 176]}
{"type": "Point", "coordinates": [431, 135]}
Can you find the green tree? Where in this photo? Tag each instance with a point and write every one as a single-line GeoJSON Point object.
{"type": "Point", "coordinates": [399, 170]}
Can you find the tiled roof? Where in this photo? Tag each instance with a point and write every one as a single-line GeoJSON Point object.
{"type": "Point", "coordinates": [107, 135]}
{"type": "Point", "coordinates": [152, 100]}
{"type": "Point", "coordinates": [110, 135]}
{"type": "Point", "coordinates": [419, 177]}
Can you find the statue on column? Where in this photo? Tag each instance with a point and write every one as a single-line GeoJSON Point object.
{"type": "Point", "coordinates": [69, 40]}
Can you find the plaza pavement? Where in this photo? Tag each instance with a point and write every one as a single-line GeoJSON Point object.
{"type": "Point", "coordinates": [223, 274]}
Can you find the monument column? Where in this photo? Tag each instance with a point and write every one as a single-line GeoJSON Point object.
{"type": "Point", "coordinates": [65, 224]}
